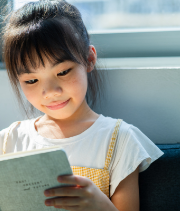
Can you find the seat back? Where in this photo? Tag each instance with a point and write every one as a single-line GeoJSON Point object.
{"type": "Point", "coordinates": [159, 185]}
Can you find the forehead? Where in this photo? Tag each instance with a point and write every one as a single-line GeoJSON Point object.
{"type": "Point", "coordinates": [33, 60]}
{"type": "Point", "coordinates": [37, 65]}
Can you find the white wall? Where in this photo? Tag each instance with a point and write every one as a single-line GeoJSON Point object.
{"type": "Point", "coordinates": [148, 98]}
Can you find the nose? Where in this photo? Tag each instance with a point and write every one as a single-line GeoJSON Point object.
{"type": "Point", "coordinates": [52, 90]}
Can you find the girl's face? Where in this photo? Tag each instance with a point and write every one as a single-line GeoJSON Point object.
{"type": "Point", "coordinates": [64, 83]}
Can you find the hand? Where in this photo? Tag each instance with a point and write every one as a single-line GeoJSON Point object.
{"type": "Point", "coordinates": [83, 195]}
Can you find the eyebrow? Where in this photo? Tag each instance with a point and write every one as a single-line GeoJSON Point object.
{"type": "Point", "coordinates": [52, 66]}
{"type": "Point", "coordinates": [56, 63]}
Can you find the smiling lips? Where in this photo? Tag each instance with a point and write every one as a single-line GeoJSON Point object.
{"type": "Point", "coordinates": [56, 105]}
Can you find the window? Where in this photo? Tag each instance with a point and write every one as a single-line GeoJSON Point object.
{"type": "Point", "coordinates": [123, 14]}
{"type": "Point", "coordinates": [130, 28]}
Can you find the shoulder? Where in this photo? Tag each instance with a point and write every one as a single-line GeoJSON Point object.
{"type": "Point", "coordinates": [114, 127]}
{"type": "Point", "coordinates": [123, 128]}
{"type": "Point", "coordinates": [107, 122]}
{"type": "Point", "coordinates": [16, 129]}
{"type": "Point", "coordinates": [16, 137]}
{"type": "Point", "coordinates": [132, 143]}
{"type": "Point", "coordinates": [7, 130]}
{"type": "Point", "coordinates": [132, 146]}
{"type": "Point", "coordinates": [135, 144]}
{"type": "Point", "coordinates": [133, 149]}
{"type": "Point", "coordinates": [135, 138]}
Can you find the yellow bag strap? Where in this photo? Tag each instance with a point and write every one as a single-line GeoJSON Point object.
{"type": "Point", "coordinates": [11, 127]}
{"type": "Point", "coordinates": [112, 144]}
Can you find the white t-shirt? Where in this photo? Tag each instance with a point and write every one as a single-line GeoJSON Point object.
{"type": "Point", "coordinates": [89, 149]}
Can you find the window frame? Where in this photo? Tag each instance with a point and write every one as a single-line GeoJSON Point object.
{"type": "Point", "coordinates": [153, 42]}
{"type": "Point", "coordinates": [128, 43]}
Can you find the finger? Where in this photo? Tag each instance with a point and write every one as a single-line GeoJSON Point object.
{"type": "Point", "coordinates": [56, 206]}
{"type": "Point", "coordinates": [64, 191]}
{"type": "Point", "coordinates": [74, 180]}
{"type": "Point", "coordinates": [64, 201]}
{"type": "Point", "coordinates": [72, 208]}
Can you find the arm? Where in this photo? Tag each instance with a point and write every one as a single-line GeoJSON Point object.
{"type": "Point", "coordinates": [126, 195]}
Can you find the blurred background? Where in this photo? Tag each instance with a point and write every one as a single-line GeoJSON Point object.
{"type": "Point", "coordinates": [120, 14]}
{"type": "Point", "coordinates": [138, 48]}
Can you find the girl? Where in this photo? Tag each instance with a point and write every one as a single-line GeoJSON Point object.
{"type": "Point", "coordinates": [48, 55]}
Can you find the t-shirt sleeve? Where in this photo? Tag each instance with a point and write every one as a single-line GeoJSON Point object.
{"type": "Point", "coordinates": [11, 144]}
{"type": "Point", "coordinates": [2, 134]}
{"type": "Point", "coordinates": [133, 148]}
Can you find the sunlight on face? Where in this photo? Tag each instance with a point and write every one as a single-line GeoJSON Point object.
{"type": "Point", "coordinates": [49, 86]}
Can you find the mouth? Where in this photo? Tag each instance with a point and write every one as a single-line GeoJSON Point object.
{"type": "Point", "coordinates": [56, 105]}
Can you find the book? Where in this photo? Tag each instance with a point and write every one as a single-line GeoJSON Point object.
{"type": "Point", "coordinates": [25, 175]}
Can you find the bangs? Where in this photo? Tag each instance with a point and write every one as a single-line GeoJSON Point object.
{"type": "Point", "coordinates": [46, 30]}
{"type": "Point", "coordinates": [53, 39]}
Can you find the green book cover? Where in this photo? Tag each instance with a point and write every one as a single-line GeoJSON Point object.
{"type": "Point", "coordinates": [25, 176]}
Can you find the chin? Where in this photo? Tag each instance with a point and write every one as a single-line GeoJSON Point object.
{"type": "Point", "coordinates": [60, 115]}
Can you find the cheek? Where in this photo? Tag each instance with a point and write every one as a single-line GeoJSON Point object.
{"type": "Point", "coordinates": [78, 85]}
{"type": "Point", "coordinates": [30, 94]}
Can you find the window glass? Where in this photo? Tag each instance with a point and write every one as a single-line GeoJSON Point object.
{"type": "Point", "coordinates": [125, 14]}
{"type": "Point", "coordinates": [20, 3]}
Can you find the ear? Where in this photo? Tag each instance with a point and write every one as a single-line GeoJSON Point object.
{"type": "Point", "coordinates": [92, 57]}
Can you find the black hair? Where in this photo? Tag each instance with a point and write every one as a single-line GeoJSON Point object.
{"type": "Point", "coordinates": [51, 29]}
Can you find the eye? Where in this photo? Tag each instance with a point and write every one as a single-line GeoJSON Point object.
{"type": "Point", "coordinates": [31, 81]}
{"type": "Point", "coordinates": [64, 72]}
